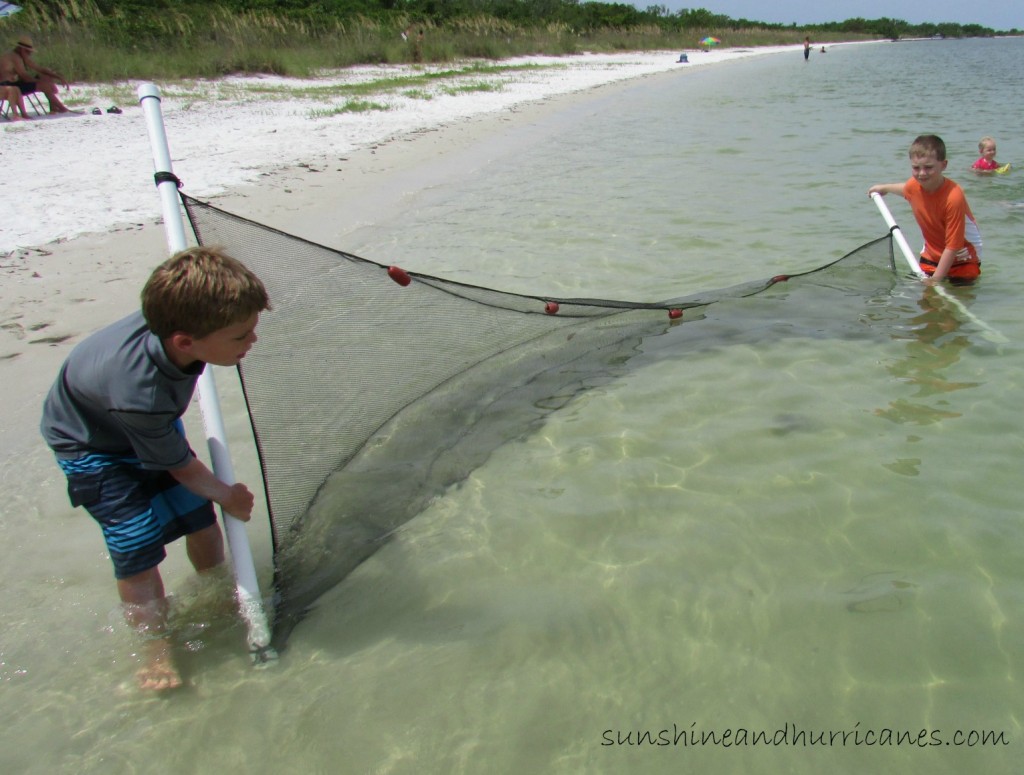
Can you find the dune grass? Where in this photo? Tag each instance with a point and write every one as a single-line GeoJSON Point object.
{"type": "Point", "coordinates": [207, 41]}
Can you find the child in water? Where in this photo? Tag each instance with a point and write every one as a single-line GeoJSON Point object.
{"type": "Point", "coordinates": [952, 240]}
{"type": "Point", "coordinates": [112, 418]}
{"type": "Point", "coordinates": [987, 162]}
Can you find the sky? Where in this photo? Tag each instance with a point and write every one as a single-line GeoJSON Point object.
{"type": "Point", "coordinates": [997, 14]}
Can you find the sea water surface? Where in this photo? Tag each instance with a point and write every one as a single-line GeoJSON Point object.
{"type": "Point", "coordinates": [807, 530]}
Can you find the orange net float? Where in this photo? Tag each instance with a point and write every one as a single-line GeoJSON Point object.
{"type": "Point", "coordinates": [551, 308]}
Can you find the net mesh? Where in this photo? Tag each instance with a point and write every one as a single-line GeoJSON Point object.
{"type": "Point", "coordinates": [372, 390]}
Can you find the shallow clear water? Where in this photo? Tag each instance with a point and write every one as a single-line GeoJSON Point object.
{"type": "Point", "coordinates": [808, 518]}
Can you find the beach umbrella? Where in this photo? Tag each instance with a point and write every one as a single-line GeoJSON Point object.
{"type": "Point", "coordinates": [8, 9]}
{"type": "Point", "coordinates": [710, 41]}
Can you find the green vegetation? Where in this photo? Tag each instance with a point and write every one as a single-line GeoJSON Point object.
{"type": "Point", "coordinates": [105, 41]}
{"type": "Point", "coordinates": [352, 106]}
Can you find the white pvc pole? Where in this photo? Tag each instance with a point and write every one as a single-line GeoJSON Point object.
{"type": "Point", "coordinates": [897, 234]}
{"type": "Point", "coordinates": [915, 267]}
{"type": "Point", "coordinates": [247, 586]}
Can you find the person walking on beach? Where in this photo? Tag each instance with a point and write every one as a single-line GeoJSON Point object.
{"type": "Point", "coordinates": [112, 419]}
{"type": "Point", "coordinates": [18, 69]}
{"type": "Point", "coordinates": [952, 240]}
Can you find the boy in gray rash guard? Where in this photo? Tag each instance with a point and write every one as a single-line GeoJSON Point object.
{"type": "Point", "coordinates": [113, 420]}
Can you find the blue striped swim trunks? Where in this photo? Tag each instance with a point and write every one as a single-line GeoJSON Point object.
{"type": "Point", "coordinates": [139, 510]}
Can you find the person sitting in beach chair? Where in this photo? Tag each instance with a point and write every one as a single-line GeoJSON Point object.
{"type": "Point", "coordinates": [18, 69]}
{"type": "Point", "coordinates": [12, 103]}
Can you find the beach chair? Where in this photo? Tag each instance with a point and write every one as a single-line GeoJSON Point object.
{"type": "Point", "coordinates": [36, 103]}
{"type": "Point", "coordinates": [31, 101]}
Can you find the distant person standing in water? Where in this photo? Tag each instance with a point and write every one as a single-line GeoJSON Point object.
{"type": "Point", "coordinates": [807, 48]}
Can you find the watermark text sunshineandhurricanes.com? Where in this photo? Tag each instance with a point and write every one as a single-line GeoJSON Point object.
{"type": "Point", "coordinates": [795, 736]}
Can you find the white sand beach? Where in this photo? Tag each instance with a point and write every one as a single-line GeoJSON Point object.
{"type": "Point", "coordinates": [91, 173]}
{"type": "Point", "coordinates": [83, 229]}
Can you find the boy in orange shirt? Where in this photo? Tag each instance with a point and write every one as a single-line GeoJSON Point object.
{"type": "Point", "coordinates": [952, 240]}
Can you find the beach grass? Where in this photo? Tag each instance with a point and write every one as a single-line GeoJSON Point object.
{"type": "Point", "coordinates": [200, 41]}
{"type": "Point", "coordinates": [351, 106]}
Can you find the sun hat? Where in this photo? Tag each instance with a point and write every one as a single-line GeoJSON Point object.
{"type": "Point", "coordinates": [24, 42]}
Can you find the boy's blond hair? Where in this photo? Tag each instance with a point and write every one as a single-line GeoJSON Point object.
{"type": "Point", "coordinates": [985, 141]}
{"type": "Point", "coordinates": [927, 144]}
{"type": "Point", "coordinates": [199, 291]}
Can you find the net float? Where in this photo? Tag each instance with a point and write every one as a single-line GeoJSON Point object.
{"type": "Point", "coordinates": [399, 275]}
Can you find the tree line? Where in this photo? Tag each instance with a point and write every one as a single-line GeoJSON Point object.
{"type": "Point", "coordinates": [577, 15]}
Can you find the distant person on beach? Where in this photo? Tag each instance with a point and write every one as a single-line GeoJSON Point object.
{"type": "Point", "coordinates": [987, 162]}
{"type": "Point", "coordinates": [807, 48]}
{"type": "Point", "coordinates": [112, 419]}
{"type": "Point", "coordinates": [13, 97]}
{"type": "Point", "coordinates": [952, 240]}
{"type": "Point", "coordinates": [417, 47]}
{"type": "Point", "coordinates": [17, 68]}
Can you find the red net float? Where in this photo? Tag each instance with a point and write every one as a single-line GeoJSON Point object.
{"type": "Point", "coordinates": [399, 275]}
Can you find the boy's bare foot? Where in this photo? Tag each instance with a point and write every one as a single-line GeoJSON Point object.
{"type": "Point", "coordinates": [159, 674]}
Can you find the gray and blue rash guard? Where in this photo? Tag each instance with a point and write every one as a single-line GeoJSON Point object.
{"type": "Point", "coordinates": [119, 395]}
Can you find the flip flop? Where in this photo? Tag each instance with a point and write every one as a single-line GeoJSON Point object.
{"type": "Point", "coordinates": [113, 109]}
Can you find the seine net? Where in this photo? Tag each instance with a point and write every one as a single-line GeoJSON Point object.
{"type": "Point", "coordinates": [372, 390]}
